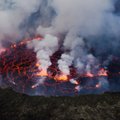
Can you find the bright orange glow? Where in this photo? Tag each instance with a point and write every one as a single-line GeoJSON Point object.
{"type": "Point", "coordinates": [88, 74]}
{"type": "Point", "coordinates": [27, 40]}
{"type": "Point", "coordinates": [76, 83]}
{"type": "Point", "coordinates": [102, 72]}
{"type": "Point", "coordinates": [61, 77]}
{"type": "Point", "coordinates": [38, 38]}
{"type": "Point", "coordinates": [42, 73]}
{"type": "Point", "coordinates": [37, 65]}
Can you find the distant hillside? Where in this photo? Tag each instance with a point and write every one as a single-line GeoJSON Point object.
{"type": "Point", "coordinates": [15, 106]}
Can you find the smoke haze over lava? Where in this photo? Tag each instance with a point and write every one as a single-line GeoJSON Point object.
{"type": "Point", "coordinates": [60, 47]}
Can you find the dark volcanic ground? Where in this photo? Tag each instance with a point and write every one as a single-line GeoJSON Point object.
{"type": "Point", "coordinates": [15, 106]}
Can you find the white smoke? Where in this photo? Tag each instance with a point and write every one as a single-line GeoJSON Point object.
{"type": "Point", "coordinates": [85, 16]}
{"type": "Point", "coordinates": [77, 56]}
{"type": "Point", "coordinates": [81, 22]}
{"type": "Point", "coordinates": [79, 19]}
{"type": "Point", "coordinates": [64, 63]}
{"type": "Point", "coordinates": [44, 49]}
{"type": "Point", "coordinates": [78, 88]}
{"type": "Point", "coordinates": [39, 82]}
{"type": "Point", "coordinates": [12, 14]}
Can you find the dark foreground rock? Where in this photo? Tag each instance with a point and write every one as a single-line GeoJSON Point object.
{"type": "Point", "coordinates": [15, 106]}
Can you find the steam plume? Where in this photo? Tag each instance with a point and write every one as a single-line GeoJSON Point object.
{"type": "Point", "coordinates": [87, 31]}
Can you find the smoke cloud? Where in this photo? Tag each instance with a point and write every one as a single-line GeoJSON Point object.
{"type": "Point", "coordinates": [86, 30]}
{"type": "Point", "coordinates": [44, 50]}
{"type": "Point", "coordinates": [78, 20]}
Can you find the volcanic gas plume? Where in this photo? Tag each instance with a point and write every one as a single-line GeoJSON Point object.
{"type": "Point", "coordinates": [60, 47]}
{"type": "Point", "coordinates": [21, 69]}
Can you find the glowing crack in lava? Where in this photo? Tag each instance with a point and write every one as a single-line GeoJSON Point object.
{"type": "Point", "coordinates": [19, 69]}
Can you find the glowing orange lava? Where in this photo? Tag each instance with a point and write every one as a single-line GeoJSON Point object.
{"type": "Point", "coordinates": [42, 73]}
{"type": "Point", "coordinates": [102, 72]}
{"type": "Point", "coordinates": [21, 69]}
{"type": "Point", "coordinates": [61, 77]}
{"type": "Point", "coordinates": [88, 74]}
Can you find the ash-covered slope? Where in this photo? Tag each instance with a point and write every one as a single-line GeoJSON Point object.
{"type": "Point", "coordinates": [16, 106]}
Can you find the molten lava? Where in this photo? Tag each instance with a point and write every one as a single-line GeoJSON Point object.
{"type": "Point", "coordinates": [20, 70]}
